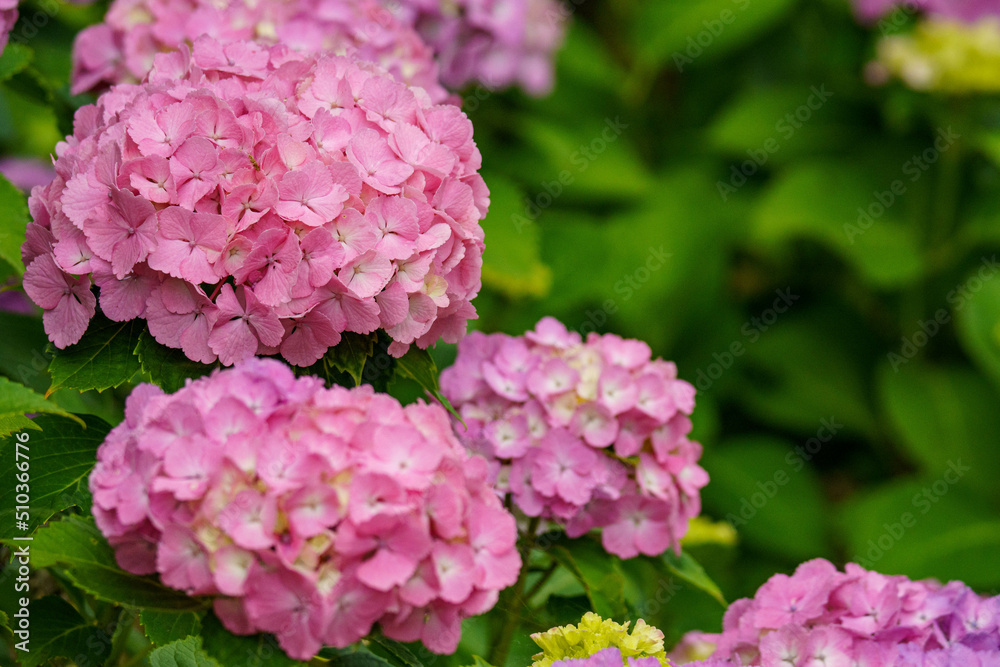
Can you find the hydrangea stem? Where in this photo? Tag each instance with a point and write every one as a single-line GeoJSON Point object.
{"type": "Point", "coordinates": [514, 600]}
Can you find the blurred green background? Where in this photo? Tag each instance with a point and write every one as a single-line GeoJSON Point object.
{"type": "Point", "coordinates": [716, 178]}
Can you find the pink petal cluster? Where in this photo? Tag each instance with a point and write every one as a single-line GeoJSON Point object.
{"type": "Point", "coordinates": [122, 49]}
{"type": "Point", "coordinates": [8, 17]}
{"type": "Point", "coordinates": [591, 434]}
{"type": "Point", "coordinates": [307, 512]}
{"type": "Point", "coordinates": [968, 11]}
{"type": "Point", "coordinates": [253, 200]}
{"type": "Point", "coordinates": [495, 42]}
{"type": "Point", "coordinates": [857, 618]}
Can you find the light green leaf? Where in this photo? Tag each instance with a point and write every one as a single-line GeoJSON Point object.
{"type": "Point", "coordinates": [688, 569]}
{"type": "Point", "coordinates": [944, 416]}
{"type": "Point", "coordinates": [59, 459]}
{"type": "Point", "coordinates": [164, 627]}
{"type": "Point", "coordinates": [15, 58]}
{"type": "Point", "coordinates": [77, 545]}
{"type": "Point", "coordinates": [104, 358]}
{"type": "Point", "coordinates": [13, 222]}
{"type": "Point", "coordinates": [418, 365]}
{"type": "Point", "coordinates": [16, 401]}
{"type": "Point", "coordinates": [58, 631]}
{"type": "Point", "coordinates": [511, 263]}
{"type": "Point", "coordinates": [185, 653]}
{"type": "Point", "coordinates": [166, 367]}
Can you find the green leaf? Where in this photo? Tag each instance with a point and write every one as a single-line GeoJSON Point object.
{"type": "Point", "coordinates": [60, 459]}
{"type": "Point", "coordinates": [770, 494]}
{"type": "Point", "coordinates": [164, 627]}
{"type": "Point", "coordinates": [15, 58]}
{"type": "Point", "coordinates": [598, 573]}
{"type": "Point", "coordinates": [23, 356]}
{"type": "Point", "coordinates": [38, 88]}
{"type": "Point", "coordinates": [688, 569]}
{"type": "Point", "coordinates": [16, 401]}
{"type": "Point", "coordinates": [166, 367]}
{"type": "Point", "coordinates": [418, 365]}
{"type": "Point", "coordinates": [662, 30]}
{"type": "Point", "coordinates": [801, 204]}
{"type": "Point", "coordinates": [185, 653]}
{"type": "Point", "coordinates": [59, 631]}
{"type": "Point", "coordinates": [229, 649]}
{"type": "Point", "coordinates": [979, 327]}
{"type": "Point", "coordinates": [394, 652]}
{"type": "Point", "coordinates": [359, 659]}
{"type": "Point", "coordinates": [104, 357]}
{"type": "Point", "coordinates": [944, 416]}
{"type": "Point", "coordinates": [352, 353]}
{"type": "Point", "coordinates": [512, 263]}
{"type": "Point", "coordinates": [13, 221]}
{"type": "Point", "coordinates": [76, 544]}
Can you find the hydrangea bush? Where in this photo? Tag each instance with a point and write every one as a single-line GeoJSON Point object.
{"type": "Point", "coordinates": [123, 48]}
{"type": "Point", "coordinates": [252, 200]}
{"type": "Point", "coordinates": [592, 434]}
{"type": "Point", "coordinates": [307, 512]}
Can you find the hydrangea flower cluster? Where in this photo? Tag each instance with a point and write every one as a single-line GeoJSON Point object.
{"type": "Point", "coordinates": [495, 43]}
{"type": "Point", "coordinates": [596, 642]}
{"type": "Point", "coordinates": [8, 17]}
{"type": "Point", "coordinates": [122, 49]}
{"type": "Point", "coordinates": [592, 434]}
{"type": "Point", "coordinates": [821, 616]}
{"type": "Point", "coordinates": [310, 513]}
{"type": "Point", "coordinates": [942, 55]}
{"type": "Point", "coordinates": [253, 200]}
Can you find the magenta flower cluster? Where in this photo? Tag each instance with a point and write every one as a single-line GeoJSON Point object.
{"type": "Point", "coordinates": [590, 434]}
{"type": "Point", "coordinates": [310, 513]}
{"type": "Point", "coordinates": [821, 616]}
{"type": "Point", "coordinates": [252, 200]}
{"type": "Point", "coordinates": [968, 11]}
{"type": "Point", "coordinates": [122, 49]}
{"type": "Point", "coordinates": [494, 43]}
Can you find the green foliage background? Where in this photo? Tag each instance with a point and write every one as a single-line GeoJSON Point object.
{"type": "Point", "coordinates": [827, 409]}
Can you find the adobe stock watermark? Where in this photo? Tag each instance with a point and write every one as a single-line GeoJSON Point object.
{"type": "Point", "coordinates": [957, 298]}
{"type": "Point", "coordinates": [898, 18]}
{"type": "Point", "coordinates": [786, 127]}
{"type": "Point", "coordinates": [581, 160]}
{"type": "Point", "coordinates": [796, 460]}
{"type": "Point", "coordinates": [915, 168]}
{"type": "Point", "coordinates": [696, 44]}
{"type": "Point", "coordinates": [625, 288]}
{"type": "Point", "coordinates": [751, 331]}
{"type": "Point", "coordinates": [28, 26]}
{"type": "Point", "coordinates": [924, 501]}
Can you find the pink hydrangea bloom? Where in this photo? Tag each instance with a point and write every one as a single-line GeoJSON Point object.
{"type": "Point", "coordinates": [254, 200]}
{"type": "Point", "coordinates": [592, 434]}
{"type": "Point", "coordinates": [822, 616]}
{"type": "Point", "coordinates": [968, 11]}
{"type": "Point", "coordinates": [495, 42]}
{"type": "Point", "coordinates": [8, 17]}
{"type": "Point", "coordinates": [122, 49]}
{"type": "Point", "coordinates": [306, 512]}
{"type": "Point", "coordinates": [26, 173]}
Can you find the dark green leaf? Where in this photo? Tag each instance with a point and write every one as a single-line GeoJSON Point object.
{"type": "Point", "coordinates": [77, 545]}
{"type": "Point", "coordinates": [396, 653]}
{"type": "Point", "coordinates": [104, 357]}
{"type": "Point", "coordinates": [229, 649]}
{"type": "Point", "coordinates": [359, 659]}
{"type": "Point", "coordinates": [14, 59]}
{"type": "Point", "coordinates": [164, 627]}
{"type": "Point", "coordinates": [418, 365]}
{"type": "Point", "coordinates": [23, 355]}
{"type": "Point", "coordinates": [688, 569]}
{"type": "Point", "coordinates": [58, 631]}
{"type": "Point", "coordinates": [166, 367]}
{"type": "Point", "coordinates": [979, 326]}
{"type": "Point", "coordinates": [13, 222]}
{"type": "Point", "coordinates": [60, 458]}
{"type": "Point", "coordinates": [185, 653]}
{"type": "Point", "coordinates": [351, 354]}
{"type": "Point", "coordinates": [598, 573]}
